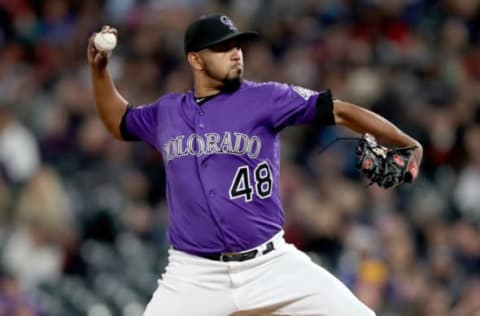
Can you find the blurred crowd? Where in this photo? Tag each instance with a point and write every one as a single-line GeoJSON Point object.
{"type": "Point", "coordinates": [83, 216]}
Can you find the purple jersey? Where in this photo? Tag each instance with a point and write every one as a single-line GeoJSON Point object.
{"type": "Point", "coordinates": [222, 160]}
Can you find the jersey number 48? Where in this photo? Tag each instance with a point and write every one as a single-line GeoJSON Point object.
{"type": "Point", "coordinates": [242, 186]}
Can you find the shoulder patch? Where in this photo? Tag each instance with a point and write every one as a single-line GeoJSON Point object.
{"type": "Point", "coordinates": [303, 92]}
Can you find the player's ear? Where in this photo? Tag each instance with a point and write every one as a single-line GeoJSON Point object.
{"type": "Point", "coordinates": [195, 60]}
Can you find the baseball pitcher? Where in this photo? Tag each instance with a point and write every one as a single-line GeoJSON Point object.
{"type": "Point", "coordinates": [220, 147]}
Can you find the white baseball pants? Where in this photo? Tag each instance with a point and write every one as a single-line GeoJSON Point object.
{"type": "Point", "coordinates": [283, 282]}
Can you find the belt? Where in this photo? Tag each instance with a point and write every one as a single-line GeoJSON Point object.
{"type": "Point", "coordinates": [239, 256]}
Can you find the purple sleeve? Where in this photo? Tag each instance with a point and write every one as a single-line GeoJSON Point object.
{"type": "Point", "coordinates": [294, 105]}
{"type": "Point", "coordinates": [141, 122]}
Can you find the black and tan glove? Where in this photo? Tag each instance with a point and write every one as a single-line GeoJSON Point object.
{"type": "Point", "coordinates": [385, 166]}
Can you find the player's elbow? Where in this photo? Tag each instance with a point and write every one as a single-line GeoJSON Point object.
{"type": "Point", "coordinates": [112, 127]}
{"type": "Point", "coordinates": [112, 118]}
{"type": "Point", "coordinates": [115, 131]}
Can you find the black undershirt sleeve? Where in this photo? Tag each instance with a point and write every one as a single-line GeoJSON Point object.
{"type": "Point", "coordinates": [324, 113]}
{"type": "Point", "coordinates": [126, 135]}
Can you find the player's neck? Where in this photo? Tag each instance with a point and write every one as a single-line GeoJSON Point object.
{"type": "Point", "coordinates": [204, 87]}
{"type": "Point", "coordinates": [202, 91]}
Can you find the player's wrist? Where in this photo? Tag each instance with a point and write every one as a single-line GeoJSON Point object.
{"type": "Point", "coordinates": [99, 71]}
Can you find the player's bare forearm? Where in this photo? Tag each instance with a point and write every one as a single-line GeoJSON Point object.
{"type": "Point", "coordinates": [364, 121]}
{"type": "Point", "coordinates": [110, 104]}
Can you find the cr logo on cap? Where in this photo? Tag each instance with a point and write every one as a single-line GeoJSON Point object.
{"type": "Point", "coordinates": [225, 20]}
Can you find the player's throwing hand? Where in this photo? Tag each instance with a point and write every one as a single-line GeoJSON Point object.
{"type": "Point", "coordinates": [97, 58]}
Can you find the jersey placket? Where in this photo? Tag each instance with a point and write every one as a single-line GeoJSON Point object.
{"type": "Point", "coordinates": [202, 165]}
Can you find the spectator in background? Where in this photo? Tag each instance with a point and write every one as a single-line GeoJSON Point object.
{"type": "Point", "coordinates": [19, 156]}
{"type": "Point", "coordinates": [14, 301]}
{"type": "Point", "coordinates": [467, 191]}
{"type": "Point", "coordinates": [41, 223]}
{"type": "Point", "coordinates": [19, 159]}
{"type": "Point", "coordinates": [30, 255]}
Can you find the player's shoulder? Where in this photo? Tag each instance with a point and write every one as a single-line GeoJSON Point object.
{"type": "Point", "coordinates": [280, 89]}
{"type": "Point", "coordinates": [249, 84]}
{"type": "Point", "coordinates": [168, 101]}
{"type": "Point", "coordinates": [265, 86]}
{"type": "Point", "coordinates": [172, 98]}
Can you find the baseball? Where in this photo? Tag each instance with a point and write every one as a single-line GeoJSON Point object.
{"type": "Point", "coordinates": [105, 41]}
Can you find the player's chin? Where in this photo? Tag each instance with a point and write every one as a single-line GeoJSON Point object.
{"type": "Point", "coordinates": [231, 84]}
{"type": "Point", "coordinates": [235, 74]}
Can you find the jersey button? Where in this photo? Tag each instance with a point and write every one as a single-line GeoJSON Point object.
{"type": "Point", "coordinates": [201, 125]}
{"type": "Point", "coordinates": [200, 113]}
{"type": "Point", "coordinates": [211, 193]}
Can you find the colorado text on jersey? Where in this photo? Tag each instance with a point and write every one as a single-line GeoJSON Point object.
{"type": "Point", "coordinates": [212, 143]}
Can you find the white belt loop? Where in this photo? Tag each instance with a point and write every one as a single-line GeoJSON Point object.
{"type": "Point", "coordinates": [275, 243]}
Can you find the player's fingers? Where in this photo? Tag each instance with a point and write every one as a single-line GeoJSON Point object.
{"type": "Point", "coordinates": [91, 40]}
{"type": "Point", "coordinates": [91, 50]}
{"type": "Point", "coordinates": [96, 57]}
{"type": "Point", "coordinates": [101, 58]}
{"type": "Point", "coordinates": [98, 60]}
{"type": "Point", "coordinates": [412, 171]}
{"type": "Point", "coordinates": [109, 29]}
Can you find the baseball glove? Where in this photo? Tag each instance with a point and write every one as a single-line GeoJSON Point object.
{"type": "Point", "coordinates": [385, 166]}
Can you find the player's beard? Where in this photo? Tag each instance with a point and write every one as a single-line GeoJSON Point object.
{"type": "Point", "coordinates": [230, 82]}
{"type": "Point", "coordinates": [231, 85]}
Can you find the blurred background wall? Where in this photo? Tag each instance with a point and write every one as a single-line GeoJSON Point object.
{"type": "Point", "coordinates": [83, 216]}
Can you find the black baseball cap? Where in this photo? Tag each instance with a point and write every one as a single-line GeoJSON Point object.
{"type": "Point", "coordinates": [212, 30]}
